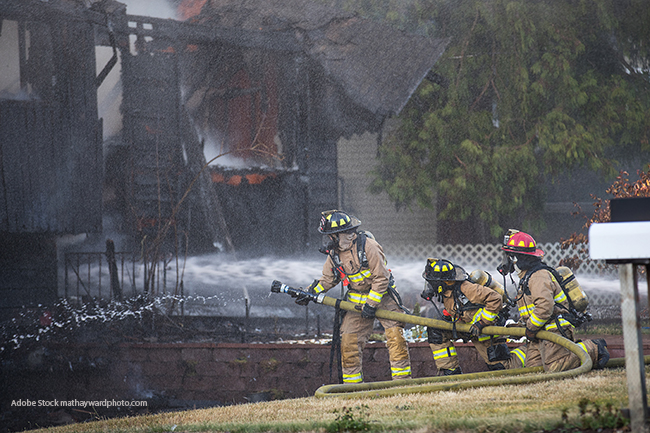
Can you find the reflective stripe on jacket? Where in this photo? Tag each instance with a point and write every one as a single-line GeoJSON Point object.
{"type": "Point", "coordinates": [365, 284]}
{"type": "Point", "coordinates": [491, 302]}
{"type": "Point", "coordinates": [538, 309]}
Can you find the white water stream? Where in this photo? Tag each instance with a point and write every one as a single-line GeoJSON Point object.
{"type": "Point", "coordinates": [225, 283]}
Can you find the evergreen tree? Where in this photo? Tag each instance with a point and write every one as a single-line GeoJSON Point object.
{"type": "Point", "coordinates": [525, 90]}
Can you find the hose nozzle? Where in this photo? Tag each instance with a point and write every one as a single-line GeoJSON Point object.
{"type": "Point", "coordinates": [278, 287]}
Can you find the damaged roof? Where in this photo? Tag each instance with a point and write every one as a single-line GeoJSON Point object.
{"type": "Point", "coordinates": [378, 66]}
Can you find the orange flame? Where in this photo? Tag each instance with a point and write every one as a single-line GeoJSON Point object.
{"type": "Point", "coordinates": [190, 8]}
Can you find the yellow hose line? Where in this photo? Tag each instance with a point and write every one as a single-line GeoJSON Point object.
{"type": "Point", "coordinates": [444, 383]}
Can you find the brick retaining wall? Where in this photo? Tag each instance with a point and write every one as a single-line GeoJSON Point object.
{"type": "Point", "coordinates": [218, 373]}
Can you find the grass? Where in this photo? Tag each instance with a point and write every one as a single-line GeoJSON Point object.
{"type": "Point", "coordinates": [600, 329]}
{"type": "Point", "coordinates": [603, 328]}
{"type": "Point", "coordinates": [511, 408]}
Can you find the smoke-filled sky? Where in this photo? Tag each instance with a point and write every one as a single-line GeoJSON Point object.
{"type": "Point", "coordinates": [150, 8]}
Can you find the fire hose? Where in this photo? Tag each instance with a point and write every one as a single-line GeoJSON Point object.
{"type": "Point", "coordinates": [446, 383]}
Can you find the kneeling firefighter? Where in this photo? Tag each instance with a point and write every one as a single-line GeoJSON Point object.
{"type": "Point", "coordinates": [470, 303]}
{"type": "Point", "coordinates": [357, 260]}
{"type": "Point", "coordinates": [544, 305]}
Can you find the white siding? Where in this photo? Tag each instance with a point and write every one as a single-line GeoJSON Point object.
{"type": "Point", "coordinates": [356, 158]}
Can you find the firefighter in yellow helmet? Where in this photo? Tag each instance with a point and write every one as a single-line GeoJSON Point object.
{"type": "Point", "coordinates": [541, 303]}
{"type": "Point", "coordinates": [358, 261]}
{"type": "Point", "coordinates": [466, 302]}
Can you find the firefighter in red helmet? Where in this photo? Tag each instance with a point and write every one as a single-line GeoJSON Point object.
{"type": "Point", "coordinates": [358, 261]}
{"type": "Point", "coordinates": [541, 303]}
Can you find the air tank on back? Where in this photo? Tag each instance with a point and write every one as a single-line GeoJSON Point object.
{"type": "Point", "coordinates": [484, 278]}
{"type": "Point", "coordinates": [575, 293]}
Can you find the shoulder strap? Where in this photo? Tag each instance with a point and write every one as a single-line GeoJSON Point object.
{"type": "Point", "coordinates": [560, 280]}
{"type": "Point", "coordinates": [338, 266]}
{"type": "Point", "coordinates": [458, 299]}
{"type": "Point", "coordinates": [335, 258]}
{"type": "Point", "coordinates": [523, 284]}
{"type": "Point", "coordinates": [562, 283]}
{"type": "Point", "coordinates": [361, 248]}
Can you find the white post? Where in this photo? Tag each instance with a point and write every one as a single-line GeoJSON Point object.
{"type": "Point", "coordinates": [634, 364]}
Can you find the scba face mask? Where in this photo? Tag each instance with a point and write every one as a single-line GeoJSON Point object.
{"type": "Point", "coordinates": [341, 241]}
{"type": "Point", "coordinates": [329, 243]}
{"type": "Point", "coordinates": [436, 289]}
{"type": "Point", "coordinates": [507, 265]}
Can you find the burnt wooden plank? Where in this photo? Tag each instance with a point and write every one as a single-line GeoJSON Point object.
{"type": "Point", "coordinates": [12, 143]}
{"type": "Point", "coordinates": [208, 33]}
{"type": "Point", "coordinates": [209, 203]}
{"type": "Point", "coordinates": [80, 150]}
{"type": "Point", "coordinates": [51, 155]}
{"type": "Point", "coordinates": [29, 270]}
{"type": "Point", "coordinates": [38, 153]}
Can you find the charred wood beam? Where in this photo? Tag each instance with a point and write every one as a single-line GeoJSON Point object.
{"type": "Point", "coordinates": [22, 54]}
{"type": "Point", "coordinates": [208, 197]}
{"type": "Point", "coordinates": [200, 33]}
{"type": "Point", "coordinates": [48, 12]}
{"type": "Point", "coordinates": [156, 27]}
{"type": "Point", "coordinates": [111, 62]}
{"type": "Point", "coordinates": [112, 270]}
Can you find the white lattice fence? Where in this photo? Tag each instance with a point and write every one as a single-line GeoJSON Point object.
{"type": "Point", "coordinates": [599, 281]}
{"type": "Point", "coordinates": [468, 256]}
{"type": "Point", "coordinates": [489, 256]}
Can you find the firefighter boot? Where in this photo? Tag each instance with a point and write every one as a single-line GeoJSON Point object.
{"type": "Point", "coordinates": [497, 366]}
{"type": "Point", "coordinates": [603, 353]}
{"type": "Point", "coordinates": [448, 372]}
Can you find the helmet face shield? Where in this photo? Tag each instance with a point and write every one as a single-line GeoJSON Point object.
{"type": "Point", "coordinates": [328, 243]}
{"type": "Point", "coordinates": [507, 265]}
{"type": "Point", "coordinates": [436, 289]}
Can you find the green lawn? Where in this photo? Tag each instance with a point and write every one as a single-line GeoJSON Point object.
{"type": "Point", "coordinates": [511, 408]}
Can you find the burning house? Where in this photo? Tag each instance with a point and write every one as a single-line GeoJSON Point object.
{"type": "Point", "coordinates": [229, 121]}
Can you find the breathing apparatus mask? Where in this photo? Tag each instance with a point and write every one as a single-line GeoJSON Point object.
{"type": "Point", "coordinates": [329, 243]}
{"type": "Point", "coordinates": [514, 262]}
{"type": "Point", "coordinates": [437, 289]}
{"type": "Point", "coordinates": [342, 241]}
{"type": "Point", "coordinates": [507, 265]}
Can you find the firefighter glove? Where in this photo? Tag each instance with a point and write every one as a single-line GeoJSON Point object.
{"type": "Point", "coordinates": [303, 299]}
{"type": "Point", "coordinates": [531, 335]}
{"type": "Point", "coordinates": [476, 329]}
{"type": "Point", "coordinates": [368, 312]}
